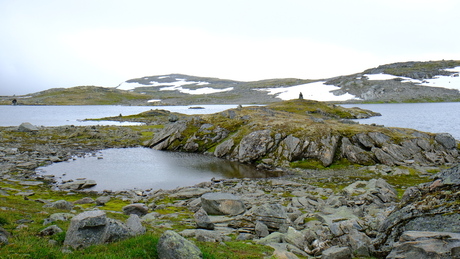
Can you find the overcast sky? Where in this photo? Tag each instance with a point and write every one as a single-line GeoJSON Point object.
{"type": "Point", "coordinates": [63, 43]}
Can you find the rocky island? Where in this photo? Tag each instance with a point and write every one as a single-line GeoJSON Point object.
{"type": "Point", "coordinates": [346, 191]}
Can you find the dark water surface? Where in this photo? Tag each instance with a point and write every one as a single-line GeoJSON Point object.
{"type": "Point", "coordinates": [145, 168]}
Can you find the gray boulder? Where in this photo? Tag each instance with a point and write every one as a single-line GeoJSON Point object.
{"type": "Point", "coordinates": [50, 231]}
{"type": "Point", "coordinates": [139, 209]}
{"type": "Point", "coordinates": [427, 245]}
{"type": "Point", "coordinates": [135, 226]}
{"type": "Point", "coordinates": [100, 201]}
{"type": "Point", "coordinates": [92, 228]}
{"type": "Point", "coordinates": [218, 203]}
{"type": "Point", "coordinates": [61, 205]}
{"type": "Point", "coordinates": [336, 252]}
{"type": "Point", "coordinates": [27, 127]}
{"type": "Point", "coordinates": [202, 220]}
{"type": "Point", "coordinates": [446, 140]}
{"type": "Point", "coordinates": [4, 235]}
{"type": "Point", "coordinates": [274, 216]}
{"type": "Point", "coordinates": [78, 185]}
{"type": "Point", "coordinates": [172, 246]}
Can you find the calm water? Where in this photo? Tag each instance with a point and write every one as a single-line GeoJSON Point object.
{"type": "Point", "coordinates": [73, 115]}
{"type": "Point", "coordinates": [144, 168]}
{"type": "Point", "coordinates": [429, 117]}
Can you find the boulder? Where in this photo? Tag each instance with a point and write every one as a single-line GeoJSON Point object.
{"type": "Point", "coordinates": [92, 228]}
{"type": "Point", "coordinates": [78, 185]}
{"type": "Point", "coordinates": [50, 231]}
{"type": "Point", "coordinates": [273, 215]}
{"type": "Point", "coordinates": [27, 127]}
{"type": "Point", "coordinates": [61, 205]}
{"type": "Point", "coordinates": [139, 209]}
{"type": "Point", "coordinates": [218, 203]}
{"type": "Point", "coordinates": [336, 252]}
{"type": "Point", "coordinates": [134, 225]}
{"type": "Point", "coordinates": [101, 201]}
{"type": "Point", "coordinates": [202, 220]}
{"type": "Point", "coordinates": [295, 238]}
{"type": "Point", "coordinates": [429, 245]}
{"type": "Point", "coordinates": [172, 246]}
{"type": "Point", "coordinates": [446, 140]}
{"type": "Point", "coordinates": [261, 229]}
{"type": "Point", "coordinates": [86, 200]}
{"type": "Point", "coordinates": [4, 235]}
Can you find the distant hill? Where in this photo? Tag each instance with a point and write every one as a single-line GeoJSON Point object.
{"type": "Point", "coordinates": [431, 81]}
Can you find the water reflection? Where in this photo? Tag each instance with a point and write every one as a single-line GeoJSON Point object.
{"type": "Point", "coordinates": [144, 168]}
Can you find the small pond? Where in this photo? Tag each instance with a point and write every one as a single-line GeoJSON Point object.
{"type": "Point", "coordinates": [144, 168]}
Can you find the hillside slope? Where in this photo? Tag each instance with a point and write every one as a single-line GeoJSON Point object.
{"type": "Point", "coordinates": [432, 81]}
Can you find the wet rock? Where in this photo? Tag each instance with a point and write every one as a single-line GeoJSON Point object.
{"type": "Point", "coordinates": [172, 246]}
{"type": "Point", "coordinates": [222, 204]}
{"type": "Point", "coordinates": [139, 209]}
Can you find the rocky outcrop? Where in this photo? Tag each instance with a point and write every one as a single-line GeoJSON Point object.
{"type": "Point", "coordinates": [431, 207]}
{"type": "Point", "coordinates": [427, 245]}
{"type": "Point", "coordinates": [284, 142]}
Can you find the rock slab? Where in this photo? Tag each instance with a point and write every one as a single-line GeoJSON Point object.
{"type": "Point", "coordinates": [218, 203]}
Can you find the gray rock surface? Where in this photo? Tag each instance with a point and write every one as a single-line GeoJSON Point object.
{"type": "Point", "coordinates": [427, 245]}
{"type": "Point", "coordinates": [222, 204]}
{"type": "Point", "coordinates": [172, 246]}
{"type": "Point", "coordinates": [336, 252]}
{"type": "Point", "coordinates": [135, 226]}
{"type": "Point", "coordinates": [4, 235]}
{"type": "Point", "coordinates": [92, 228]}
{"type": "Point", "coordinates": [202, 220]}
{"type": "Point", "coordinates": [50, 231]}
{"type": "Point", "coordinates": [27, 127]}
{"type": "Point", "coordinates": [61, 204]}
{"type": "Point", "coordinates": [139, 209]}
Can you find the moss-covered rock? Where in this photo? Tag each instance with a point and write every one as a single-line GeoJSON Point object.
{"type": "Point", "coordinates": [287, 132]}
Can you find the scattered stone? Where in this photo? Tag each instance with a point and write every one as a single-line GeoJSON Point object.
{"type": "Point", "coordinates": [172, 246]}
{"type": "Point", "coordinates": [139, 209]}
{"type": "Point", "coordinates": [261, 229]}
{"type": "Point", "coordinates": [134, 225]}
{"type": "Point", "coordinates": [336, 252]}
{"type": "Point", "coordinates": [27, 127]}
{"type": "Point", "coordinates": [101, 201]}
{"type": "Point", "coordinates": [274, 216]}
{"type": "Point", "coordinates": [4, 235]}
{"type": "Point", "coordinates": [92, 228]}
{"type": "Point", "coordinates": [78, 185]}
{"type": "Point", "coordinates": [202, 220]}
{"type": "Point", "coordinates": [217, 203]}
{"type": "Point", "coordinates": [86, 200]}
{"type": "Point", "coordinates": [61, 204]}
{"type": "Point", "coordinates": [50, 231]}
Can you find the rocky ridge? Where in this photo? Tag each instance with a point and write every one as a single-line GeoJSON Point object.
{"type": "Point", "coordinates": [291, 134]}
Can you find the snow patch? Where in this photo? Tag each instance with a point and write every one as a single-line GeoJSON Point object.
{"type": "Point", "coordinates": [203, 90]}
{"type": "Point", "coordinates": [451, 82]}
{"type": "Point", "coordinates": [154, 101]}
{"type": "Point", "coordinates": [390, 77]}
{"type": "Point", "coordinates": [313, 91]}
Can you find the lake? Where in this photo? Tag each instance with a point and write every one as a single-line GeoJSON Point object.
{"type": "Point", "coordinates": [74, 115]}
{"type": "Point", "coordinates": [144, 168]}
{"type": "Point", "coordinates": [428, 117]}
